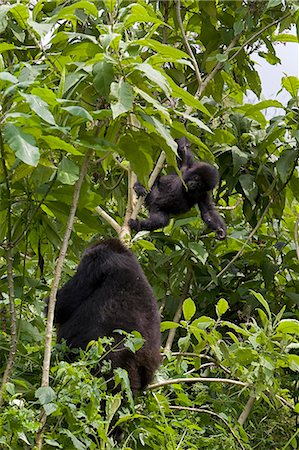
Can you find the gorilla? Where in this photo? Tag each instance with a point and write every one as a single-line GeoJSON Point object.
{"type": "Point", "coordinates": [108, 292]}
{"type": "Point", "coordinates": [169, 196]}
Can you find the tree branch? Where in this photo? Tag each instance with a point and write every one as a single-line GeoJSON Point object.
{"type": "Point", "coordinates": [197, 380]}
{"type": "Point", "coordinates": [125, 233]}
{"type": "Point", "coordinates": [186, 42]}
{"type": "Point", "coordinates": [178, 313]}
{"type": "Point", "coordinates": [296, 237]}
{"type": "Point", "coordinates": [211, 413]}
{"type": "Point", "coordinates": [10, 282]}
{"type": "Point", "coordinates": [108, 219]}
{"type": "Point", "coordinates": [246, 411]}
{"type": "Point", "coordinates": [54, 288]}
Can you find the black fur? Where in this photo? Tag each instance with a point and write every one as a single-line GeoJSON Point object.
{"type": "Point", "coordinates": [169, 197]}
{"type": "Point", "coordinates": [109, 291]}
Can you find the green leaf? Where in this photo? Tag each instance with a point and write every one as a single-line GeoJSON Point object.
{"type": "Point", "coordinates": [186, 97]}
{"type": "Point", "coordinates": [289, 326]}
{"type": "Point", "coordinates": [110, 5]}
{"type": "Point", "coordinates": [197, 122]}
{"type": "Point", "coordinates": [45, 395]}
{"type": "Point", "coordinates": [163, 132]}
{"type": "Point", "coordinates": [140, 14]}
{"type": "Point", "coordinates": [199, 251]}
{"type": "Point", "coordinates": [78, 445]}
{"type": "Point", "coordinates": [221, 307]}
{"type": "Point", "coordinates": [67, 11]}
{"type": "Point", "coordinates": [249, 187]}
{"type": "Point", "coordinates": [68, 172]}
{"type": "Point", "coordinates": [39, 107]}
{"type": "Point", "coordinates": [189, 309]}
{"type": "Point", "coordinates": [6, 76]}
{"type": "Point", "coordinates": [22, 144]}
{"type": "Point", "coordinates": [49, 408]}
{"type": "Point", "coordinates": [103, 76]}
{"type": "Point", "coordinates": [154, 102]}
{"type": "Point", "coordinates": [291, 84]}
{"type": "Point", "coordinates": [55, 143]}
{"type": "Point", "coordinates": [293, 361]}
{"type": "Point", "coordinates": [285, 38]}
{"type": "Point", "coordinates": [273, 3]}
{"type": "Point", "coordinates": [4, 47]}
{"type": "Point", "coordinates": [146, 245]}
{"type": "Point", "coordinates": [165, 50]}
{"type": "Point", "coordinates": [123, 93]}
{"type": "Point", "coordinates": [263, 302]}
{"type": "Point", "coordinates": [155, 76]}
{"type": "Point", "coordinates": [21, 15]}
{"type": "Point", "coordinates": [168, 325]}
{"type": "Point", "coordinates": [79, 112]}
{"type": "Point", "coordinates": [286, 163]}
{"type": "Point", "coordinates": [240, 158]}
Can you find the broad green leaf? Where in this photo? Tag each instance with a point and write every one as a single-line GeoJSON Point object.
{"type": "Point", "coordinates": [147, 245]}
{"type": "Point", "coordinates": [140, 14]}
{"type": "Point", "coordinates": [286, 163]}
{"type": "Point", "coordinates": [290, 326]}
{"type": "Point", "coordinates": [155, 76]}
{"type": "Point", "coordinates": [263, 317]}
{"type": "Point", "coordinates": [197, 122]}
{"type": "Point", "coordinates": [103, 76]}
{"type": "Point", "coordinates": [55, 143]}
{"type": "Point", "coordinates": [78, 445]}
{"type": "Point", "coordinates": [291, 84]}
{"type": "Point", "coordinates": [293, 361]}
{"type": "Point", "coordinates": [186, 97]}
{"type": "Point", "coordinates": [240, 158]}
{"type": "Point", "coordinates": [154, 102]}
{"type": "Point", "coordinates": [237, 328]}
{"type": "Point", "coordinates": [22, 144]}
{"type": "Point", "coordinates": [67, 11]}
{"type": "Point", "coordinates": [273, 3]}
{"type": "Point", "coordinates": [203, 322]}
{"type": "Point", "coordinates": [21, 15]}
{"type": "Point", "coordinates": [199, 251]}
{"type": "Point", "coordinates": [49, 408]}
{"type": "Point", "coordinates": [40, 28]}
{"type": "Point", "coordinates": [162, 49]}
{"type": "Point", "coordinates": [110, 5]}
{"type": "Point", "coordinates": [263, 302]}
{"type": "Point", "coordinates": [39, 107]}
{"type": "Point", "coordinates": [221, 307]}
{"type": "Point", "coordinates": [45, 395]}
{"type": "Point", "coordinates": [79, 112]}
{"type": "Point", "coordinates": [189, 309]}
{"type": "Point", "coordinates": [4, 47]}
{"type": "Point", "coordinates": [285, 38]}
{"type": "Point", "coordinates": [249, 187]}
{"type": "Point", "coordinates": [123, 93]}
{"type": "Point", "coordinates": [168, 325]}
{"type": "Point", "coordinates": [6, 76]}
{"type": "Point", "coordinates": [164, 132]}
{"type": "Point", "coordinates": [68, 172]}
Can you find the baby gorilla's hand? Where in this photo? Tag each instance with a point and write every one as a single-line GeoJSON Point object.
{"type": "Point", "coordinates": [134, 224]}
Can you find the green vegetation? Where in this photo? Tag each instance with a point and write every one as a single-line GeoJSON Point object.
{"type": "Point", "coordinates": [93, 94]}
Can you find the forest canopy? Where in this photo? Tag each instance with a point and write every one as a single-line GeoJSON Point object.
{"type": "Point", "coordinates": [94, 95]}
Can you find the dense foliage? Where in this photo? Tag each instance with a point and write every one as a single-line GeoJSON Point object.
{"type": "Point", "coordinates": [110, 84]}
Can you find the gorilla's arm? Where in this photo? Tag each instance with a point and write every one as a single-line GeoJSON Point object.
{"type": "Point", "coordinates": [185, 159]}
{"type": "Point", "coordinates": [157, 219]}
{"type": "Point", "coordinates": [210, 216]}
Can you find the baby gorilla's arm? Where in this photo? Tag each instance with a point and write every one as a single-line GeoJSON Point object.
{"type": "Point", "coordinates": [210, 216]}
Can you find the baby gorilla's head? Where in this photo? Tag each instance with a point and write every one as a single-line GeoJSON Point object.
{"type": "Point", "coordinates": [202, 177]}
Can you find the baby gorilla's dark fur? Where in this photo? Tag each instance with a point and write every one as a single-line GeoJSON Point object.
{"type": "Point", "coordinates": [169, 197]}
{"type": "Point", "coordinates": [109, 291]}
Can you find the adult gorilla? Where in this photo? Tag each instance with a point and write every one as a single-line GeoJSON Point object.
{"type": "Point", "coordinates": [109, 291]}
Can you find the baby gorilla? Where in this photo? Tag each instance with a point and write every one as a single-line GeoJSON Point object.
{"type": "Point", "coordinates": [109, 291]}
{"type": "Point", "coordinates": [169, 197]}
